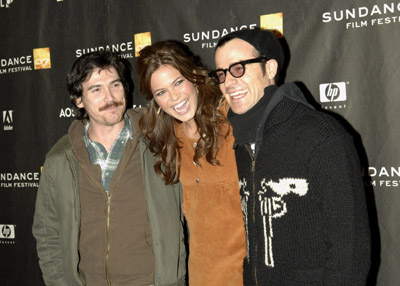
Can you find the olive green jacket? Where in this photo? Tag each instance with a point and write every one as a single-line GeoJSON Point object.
{"type": "Point", "coordinates": [57, 218]}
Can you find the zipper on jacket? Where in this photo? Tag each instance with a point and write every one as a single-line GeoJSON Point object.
{"type": "Point", "coordinates": [108, 240]}
{"type": "Point", "coordinates": [107, 262]}
{"type": "Point", "coordinates": [109, 210]}
{"type": "Point", "coordinates": [253, 164]}
{"type": "Point", "coordinates": [107, 223]}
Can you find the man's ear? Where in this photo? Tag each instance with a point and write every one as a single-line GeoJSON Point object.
{"type": "Point", "coordinates": [271, 68]}
{"type": "Point", "coordinates": [78, 102]}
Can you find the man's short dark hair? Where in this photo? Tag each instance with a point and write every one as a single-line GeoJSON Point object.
{"type": "Point", "coordinates": [82, 69]}
{"type": "Point", "coordinates": [264, 42]}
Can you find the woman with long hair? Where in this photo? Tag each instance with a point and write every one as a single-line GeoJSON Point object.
{"type": "Point", "coordinates": [186, 128]}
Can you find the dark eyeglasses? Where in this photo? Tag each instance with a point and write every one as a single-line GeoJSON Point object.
{"type": "Point", "coordinates": [236, 70]}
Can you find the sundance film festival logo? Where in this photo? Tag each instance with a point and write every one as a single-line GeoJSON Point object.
{"type": "Point", "coordinates": [273, 23]}
{"type": "Point", "coordinates": [124, 49]}
{"type": "Point", "coordinates": [39, 60]}
{"type": "Point", "coordinates": [142, 40]}
{"type": "Point", "coordinates": [209, 39]}
{"type": "Point", "coordinates": [388, 177]}
{"type": "Point", "coordinates": [19, 180]}
{"type": "Point", "coordinates": [8, 120]}
{"type": "Point", "coordinates": [5, 3]}
{"type": "Point", "coordinates": [334, 94]}
{"type": "Point", "coordinates": [365, 16]}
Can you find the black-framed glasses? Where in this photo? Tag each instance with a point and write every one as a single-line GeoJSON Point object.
{"type": "Point", "coordinates": [236, 69]}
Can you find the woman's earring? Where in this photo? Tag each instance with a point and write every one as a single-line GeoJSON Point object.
{"type": "Point", "coordinates": [197, 89]}
{"type": "Point", "coordinates": [158, 110]}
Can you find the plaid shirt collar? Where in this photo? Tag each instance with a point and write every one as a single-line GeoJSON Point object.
{"type": "Point", "coordinates": [98, 155]}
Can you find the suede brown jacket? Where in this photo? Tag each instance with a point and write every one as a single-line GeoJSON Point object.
{"type": "Point", "coordinates": [213, 212]}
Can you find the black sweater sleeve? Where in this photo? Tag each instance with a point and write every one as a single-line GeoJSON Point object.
{"type": "Point", "coordinates": [334, 166]}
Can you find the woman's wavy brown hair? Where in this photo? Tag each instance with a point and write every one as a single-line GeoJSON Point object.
{"type": "Point", "coordinates": [158, 129]}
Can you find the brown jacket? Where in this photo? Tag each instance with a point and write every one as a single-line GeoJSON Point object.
{"type": "Point", "coordinates": [115, 238]}
{"type": "Point", "coordinates": [212, 208]}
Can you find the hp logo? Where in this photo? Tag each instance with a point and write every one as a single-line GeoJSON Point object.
{"type": "Point", "coordinates": [332, 92]}
{"type": "Point", "coordinates": [7, 231]}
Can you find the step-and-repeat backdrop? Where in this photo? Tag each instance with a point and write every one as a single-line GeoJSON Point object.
{"type": "Point", "coordinates": [345, 55]}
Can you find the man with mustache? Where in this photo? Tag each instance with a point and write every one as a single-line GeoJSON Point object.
{"type": "Point", "coordinates": [103, 216]}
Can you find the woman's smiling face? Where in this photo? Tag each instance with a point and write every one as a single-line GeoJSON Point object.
{"type": "Point", "coordinates": [176, 95]}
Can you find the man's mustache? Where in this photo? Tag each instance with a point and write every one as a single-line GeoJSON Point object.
{"type": "Point", "coordinates": [111, 104]}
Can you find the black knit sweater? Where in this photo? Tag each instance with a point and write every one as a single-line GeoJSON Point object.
{"type": "Point", "coordinates": [302, 195]}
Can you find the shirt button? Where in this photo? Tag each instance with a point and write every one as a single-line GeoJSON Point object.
{"type": "Point", "coordinates": [197, 180]}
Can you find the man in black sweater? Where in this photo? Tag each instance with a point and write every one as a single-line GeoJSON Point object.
{"type": "Point", "coordinates": [301, 187]}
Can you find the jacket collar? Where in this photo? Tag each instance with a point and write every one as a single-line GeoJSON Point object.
{"type": "Point", "coordinates": [79, 148]}
{"type": "Point", "coordinates": [274, 112]}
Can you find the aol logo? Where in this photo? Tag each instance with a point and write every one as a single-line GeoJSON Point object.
{"type": "Point", "coordinates": [7, 231]}
{"type": "Point", "coordinates": [8, 120]}
{"type": "Point", "coordinates": [67, 112]}
{"type": "Point", "coordinates": [5, 3]}
{"type": "Point", "coordinates": [332, 92]}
